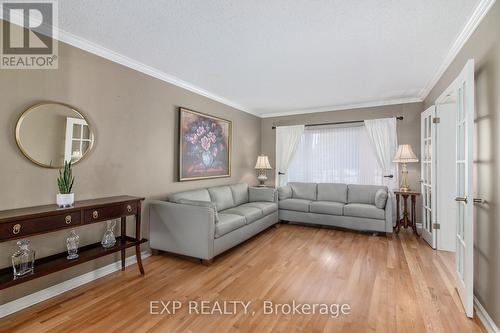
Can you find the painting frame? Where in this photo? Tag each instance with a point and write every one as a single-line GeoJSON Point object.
{"type": "Point", "coordinates": [182, 176]}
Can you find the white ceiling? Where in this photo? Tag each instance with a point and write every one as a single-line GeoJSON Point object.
{"type": "Point", "coordinates": [277, 56]}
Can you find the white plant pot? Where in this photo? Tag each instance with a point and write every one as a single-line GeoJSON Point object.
{"type": "Point", "coordinates": [65, 200]}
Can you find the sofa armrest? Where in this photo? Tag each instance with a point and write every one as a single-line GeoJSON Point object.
{"type": "Point", "coordinates": [198, 203]}
{"type": "Point", "coordinates": [285, 192]}
{"type": "Point", "coordinates": [389, 212]}
{"type": "Point", "coordinates": [259, 194]}
{"type": "Point", "coordinates": [185, 229]}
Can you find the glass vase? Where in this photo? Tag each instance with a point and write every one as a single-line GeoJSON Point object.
{"type": "Point", "coordinates": [72, 243]}
{"type": "Point", "coordinates": [23, 260]}
{"type": "Point", "coordinates": [109, 239]}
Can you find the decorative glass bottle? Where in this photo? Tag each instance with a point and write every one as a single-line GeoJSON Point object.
{"type": "Point", "coordinates": [23, 260]}
{"type": "Point", "coordinates": [72, 245]}
{"type": "Point", "coordinates": [109, 239]}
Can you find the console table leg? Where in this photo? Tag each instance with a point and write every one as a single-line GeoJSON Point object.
{"type": "Point", "coordinates": [397, 214]}
{"type": "Point", "coordinates": [138, 237]}
{"type": "Point", "coordinates": [123, 235]}
{"type": "Point", "coordinates": [414, 214]}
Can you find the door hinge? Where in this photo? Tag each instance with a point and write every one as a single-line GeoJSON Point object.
{"type": "Point", "coordinates": [436, 120]}
{"type": "Point", "coordinates": [436, 226]}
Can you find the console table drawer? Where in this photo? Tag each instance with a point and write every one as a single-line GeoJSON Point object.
{"type": "Point", "coordinates": [38, 225]}
{"type": "Point", "coordinates": [112, 212]}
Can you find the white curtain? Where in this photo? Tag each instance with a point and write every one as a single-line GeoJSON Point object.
{"type": "Point", "coordinates": [287, 140]}
{"type": "Point", "coordinates": [335, 154]}
{"type": "Point", "coordinates": [384, 140]}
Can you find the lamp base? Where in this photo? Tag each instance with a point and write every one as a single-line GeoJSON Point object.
{"type": "Point", "coordinates": [262, 177]}
{"type": "Point", "coordinates": [404, 186]}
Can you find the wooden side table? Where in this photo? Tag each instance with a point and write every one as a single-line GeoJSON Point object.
{"type": "Point", "coordinates": [406, 220]}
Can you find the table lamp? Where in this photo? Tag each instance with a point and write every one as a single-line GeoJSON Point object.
{"type": "Point", "coordinates": [262, 165]}
{"type": "Point", "coordinates": [405, 155]}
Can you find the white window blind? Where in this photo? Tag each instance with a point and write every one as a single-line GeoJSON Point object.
{"type": "Point", "coordinates": [335, 155]}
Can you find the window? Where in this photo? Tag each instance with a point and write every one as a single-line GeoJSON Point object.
{"type": "Point", "coordinates": [332, 154]}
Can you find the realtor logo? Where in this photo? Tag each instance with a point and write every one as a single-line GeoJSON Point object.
{"type": "Point", "coordinates": [29, 38]}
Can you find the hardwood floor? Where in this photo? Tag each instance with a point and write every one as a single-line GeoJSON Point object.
{"type": "Point", "coordinates": [392, 284]}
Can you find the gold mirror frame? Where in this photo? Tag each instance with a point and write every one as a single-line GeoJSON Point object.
{"type": "Point", "coordinates": [33, 107]}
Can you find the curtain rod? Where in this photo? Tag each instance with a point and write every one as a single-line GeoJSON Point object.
{"type": "Point", "coordinates": [341, 122]}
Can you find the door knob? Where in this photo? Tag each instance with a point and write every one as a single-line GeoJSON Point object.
{"type": "Point", "coordinates": [460, 199]}
{"type": "Point", "coordinates": [479, 201]}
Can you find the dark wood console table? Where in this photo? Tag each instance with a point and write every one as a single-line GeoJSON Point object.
{"type": "Point", "coordinates": [25, 222]}
{"type": "Point", "coordinates": [407, 220]}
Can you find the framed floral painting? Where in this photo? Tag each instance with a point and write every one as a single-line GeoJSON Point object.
{"type": "Point", "coordinates": [204, 146]}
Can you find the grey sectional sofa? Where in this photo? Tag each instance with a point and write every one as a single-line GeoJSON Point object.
{"type": "Point", "coordinates": [360, 207]}
{"type": "Point", "coordinates": [204, 223]}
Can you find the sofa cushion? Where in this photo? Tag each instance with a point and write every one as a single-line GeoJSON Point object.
{"type": "Point", "coordinates": [228, 223]}
{"type": "Point", "coordinates": [266, 207]}
{"type": "Point", "coordinates": [364, 210]}
{"type": "Point", "coordinates": [261, 194]}
{"type": "Point", "coordinates": [197, 195]}
{"type": "Point", "coordinates": [327, 207]}
{"type": "Point", "coordinates": [299, 205]}
{"type": "Point", "coordinates": [381, 198]}
{"type": "Point", "coordinates": [251, 214]}
{"type": "Point", "coordinates": [222, 197]}
{"type": "Point", "coordinates": [332, 192]}
{"type": "Point", "coordinates": [364, 194]}
{"type": "Point", "coordinates": [284, 192]}
{"type": "Point", "coordinates": [240, 193]}
{"type": "Point", "coordinates": [306, 191]}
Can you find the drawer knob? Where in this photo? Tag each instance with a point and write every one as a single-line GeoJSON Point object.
{"type": "Point", "coordinates": [67, 219]}
{"type": "Point", "coordinates": [16, 229]}
{"type": "Point", "coordinates": [95, 214]}
{"type": "Point", "coordinates": [129, 208]}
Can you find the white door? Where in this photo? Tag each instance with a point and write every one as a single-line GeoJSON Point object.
{"type": "Point", "coordinates": [428, 149]}
{"type": "Point", "coordinates": [464, 89]}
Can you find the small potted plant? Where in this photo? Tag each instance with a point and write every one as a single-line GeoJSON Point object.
{"type": "Point", "coordinates": [65, 198]}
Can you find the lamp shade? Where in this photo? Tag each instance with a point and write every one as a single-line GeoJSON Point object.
{"type": "Point", "coordinates": [262, 163]}
{"type": "Point", "coordinates": [405, 154]}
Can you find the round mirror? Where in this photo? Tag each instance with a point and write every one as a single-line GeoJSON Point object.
{"type": "Point", "coordinates": [50, 133]}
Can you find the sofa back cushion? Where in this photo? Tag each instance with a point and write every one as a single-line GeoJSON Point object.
{"type": "Point", "coordinates": [284, 192]}
{"type": "Point", "coordinates": [196, 195]}
{"type": "Point", "coordinates": [222, 196]}
{"type": "Point", "coordinates": [332, 192]}
{"type": "Point", "coordinates": [381, 198]}
{"type": "Point", "coordinates": [240, 193]}
{"type": "Point", "coordinates": [306, 191]}
{"type": "Point", "coordinates": [262, 194]}
{"type": "Point", "coordinates": [364, 194]}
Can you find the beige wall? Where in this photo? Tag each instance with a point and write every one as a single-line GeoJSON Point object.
{"type": "Point", "coordinates": [484, 48]}
{"type": "Point", "coordinates": [134, 119]}
{"type": "Point", "coordinates": [408, 130]}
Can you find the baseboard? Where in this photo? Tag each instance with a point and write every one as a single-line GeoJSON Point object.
{"type": "Point", "coordinates": [42, 295]}
{"type": "Point", "coordinates": [485, 318]}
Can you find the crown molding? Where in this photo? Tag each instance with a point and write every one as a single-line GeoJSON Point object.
{"type": "Point", "coordinates": [103, 52]}
{"type": "Point", "coordinates": [372, 104]}
{"type": "Point", "coordinates": [477, 16]}
{"type": "Point", "coordinates": [106, 53]}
